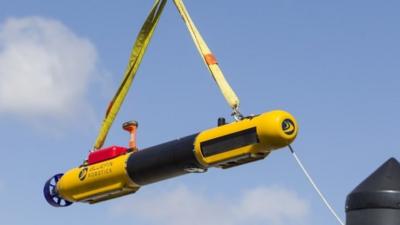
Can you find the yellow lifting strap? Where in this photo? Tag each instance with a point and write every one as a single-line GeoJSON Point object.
{"type": "Point", "coordinates": [210, 60]}
{"type": "Point", "coordinates": [137, 53]}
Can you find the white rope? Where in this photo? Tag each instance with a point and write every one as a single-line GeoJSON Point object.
{"type": "Point", "coordinates": [315, 186]}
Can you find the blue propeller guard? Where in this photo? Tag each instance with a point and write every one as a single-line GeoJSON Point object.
{"type": "Point", "coordinates": [51, 195]}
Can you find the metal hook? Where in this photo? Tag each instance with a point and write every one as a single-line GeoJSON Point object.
{"type": "Point", "coordinates": [236, 114]}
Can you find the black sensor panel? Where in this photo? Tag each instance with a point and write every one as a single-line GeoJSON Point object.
{"type": "Point", "coordinates": [229, 142]}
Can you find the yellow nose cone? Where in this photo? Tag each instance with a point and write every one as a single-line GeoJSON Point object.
{"type": "Point", "coordinates": [277, 128]}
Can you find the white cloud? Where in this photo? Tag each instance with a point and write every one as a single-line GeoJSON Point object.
{"type": "Point", "coordinates": [263, 205]}
{"type": "Point", "coordinates": [274, 204]}
{"type": "Point", "coordinates": [45, 68]}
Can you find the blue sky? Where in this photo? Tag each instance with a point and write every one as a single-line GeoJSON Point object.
{"type": "Point", "coordinates": [333, 64]}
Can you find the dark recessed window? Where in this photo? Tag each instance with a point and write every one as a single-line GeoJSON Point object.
{"type": "Point", "coordinates": [229, 142]}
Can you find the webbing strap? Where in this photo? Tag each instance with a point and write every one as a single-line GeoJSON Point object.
{"type": "Point", "coordinates": [209, 59]}
{"type": "Point", "coordinates": [137, 53]}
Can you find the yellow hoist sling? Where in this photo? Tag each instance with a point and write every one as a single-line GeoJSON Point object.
{"type": "Point", "coordinates": [210, 60]}
{"type": "Point", "coordinates": [137, 53]}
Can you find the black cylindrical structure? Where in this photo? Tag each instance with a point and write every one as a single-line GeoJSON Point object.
{"type": "Point", "coordinates": [163, 161]}
{"type": "Point", "coordinates": [376, 201]}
